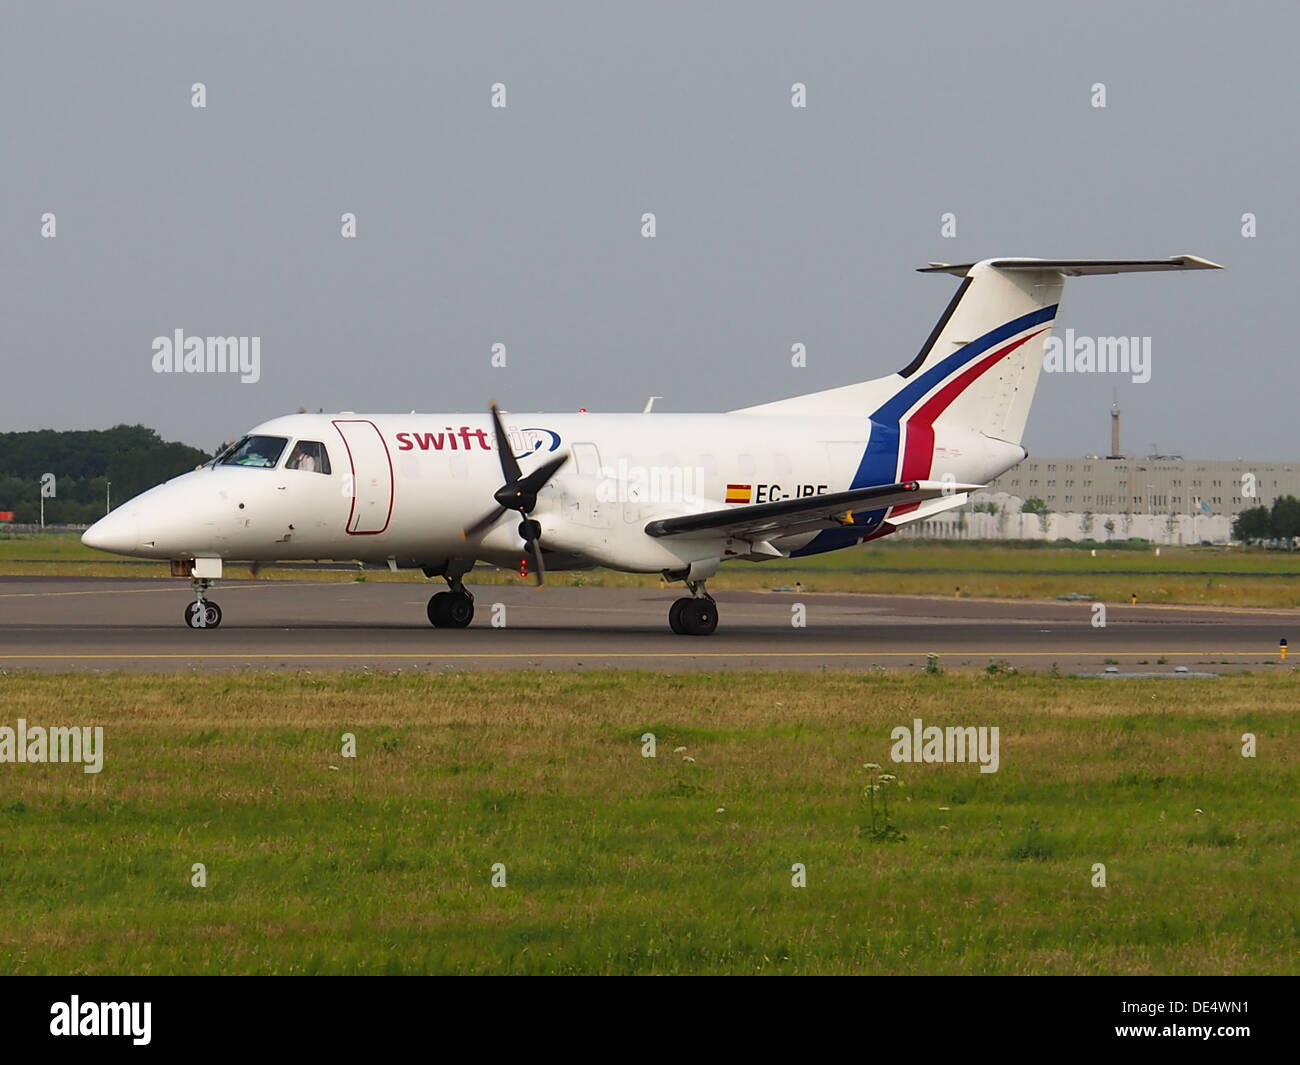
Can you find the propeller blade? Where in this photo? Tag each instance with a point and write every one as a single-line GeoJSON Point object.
{"type": "Point", "coordinates": [509, 465]}
{"type": "Point", "coordinates": [519, 492]}
{"type": "Point", "coordinates": [536, 479]}
{"type": "Point", "coordinates": [482, 524]}
{"type": "Point", "coordinates": [535, 549]}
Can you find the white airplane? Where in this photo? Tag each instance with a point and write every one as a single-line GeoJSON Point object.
{"type": "Point", "coordinates": [676, 494]}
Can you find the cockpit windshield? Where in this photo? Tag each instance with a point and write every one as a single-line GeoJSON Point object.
{"type": "Point", "coordinates": [260, 451]}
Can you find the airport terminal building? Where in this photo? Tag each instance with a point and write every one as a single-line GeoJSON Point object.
{"type": "Point", "coordinates": [1162, 498]}
{"type": "Point", "coordinates": [1166, 499]}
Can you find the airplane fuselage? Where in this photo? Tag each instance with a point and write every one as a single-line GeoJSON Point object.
{"type": "Point", "coordinates": [405, 487]}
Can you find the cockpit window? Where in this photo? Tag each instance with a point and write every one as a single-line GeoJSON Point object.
{"type": "Point", "coordinates": [309, 455]}
{"type": "Point", "coordinates": [260, 451]}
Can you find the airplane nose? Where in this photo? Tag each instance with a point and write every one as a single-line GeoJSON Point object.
{"type": "Point", "coordinates": [116, 531]}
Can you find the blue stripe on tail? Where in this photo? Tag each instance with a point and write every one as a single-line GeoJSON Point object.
{"type": "Point", "coordinates": [879, 463]}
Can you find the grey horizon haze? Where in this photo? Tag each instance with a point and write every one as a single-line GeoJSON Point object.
{"type": "Point", "coordinates": [521, 225]}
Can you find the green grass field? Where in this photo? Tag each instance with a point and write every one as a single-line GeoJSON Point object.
{"type": "Point", "coordinates": [1207, 576]}
{"type": "Point", "coordinates": [617, 863]}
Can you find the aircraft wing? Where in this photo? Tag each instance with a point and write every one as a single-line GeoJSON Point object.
{"type": "Point", "coordinates": [804, 513]}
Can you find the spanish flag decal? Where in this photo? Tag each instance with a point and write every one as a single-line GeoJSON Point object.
{"type": "Point", "coordinates": [739, 493]}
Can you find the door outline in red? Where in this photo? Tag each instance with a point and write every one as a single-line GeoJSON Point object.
{"type": "Point", "coordinates": [392, 483]}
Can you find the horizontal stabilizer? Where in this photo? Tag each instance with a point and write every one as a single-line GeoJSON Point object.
{"type": "Point", "coordinates": [929, 509]}
{"type": "Point", "coordinates": [1080, 267]}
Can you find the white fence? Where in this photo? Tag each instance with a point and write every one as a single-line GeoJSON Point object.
{"type": "Point", "coordinates": [1011, 523]}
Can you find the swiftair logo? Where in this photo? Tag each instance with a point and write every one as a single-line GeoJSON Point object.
{"type": "Point", "coordinates": [102, 1018]}
{"type": "Point", "coordinates": [55, 744]}
{"type": "Point", "coordinates": [952, 744]}
{"type": "Point", "coordinates": [181, 354]}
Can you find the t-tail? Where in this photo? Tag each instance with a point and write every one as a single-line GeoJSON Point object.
{"type": "Point", "coordinates": [956, 413]}
{"type": "Point", "coordinates": [975, 375]}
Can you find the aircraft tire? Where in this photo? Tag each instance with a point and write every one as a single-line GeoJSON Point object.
{"type": "Point", "coordinates": [699, 617]}
{"type": "Point", "coordinates": [451, 610]}
{"type": "Point", "coordinates": [437, 610]}
{"type": "Point", "coordinates": [459, 611]}
{"type": "Point", "coordinates": [205, 615]}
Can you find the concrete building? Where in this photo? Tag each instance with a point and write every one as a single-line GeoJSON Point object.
{"type": "Point", "coordinates": [1162, 498]}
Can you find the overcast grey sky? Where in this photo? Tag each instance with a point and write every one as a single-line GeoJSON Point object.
{"type": "Point", "coordinates": [522, 225]}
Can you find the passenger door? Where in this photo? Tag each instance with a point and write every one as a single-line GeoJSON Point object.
{"type": "Point", "coordinates": [371, 475]}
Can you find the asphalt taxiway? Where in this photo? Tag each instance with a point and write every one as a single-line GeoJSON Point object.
{"type": "Point", "coordinates": [109, 624]}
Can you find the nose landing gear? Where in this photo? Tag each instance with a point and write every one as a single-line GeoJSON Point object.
{"type": "Point", "coordinates": [202, 613]}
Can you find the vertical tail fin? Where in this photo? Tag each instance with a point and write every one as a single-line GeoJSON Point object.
{"type": "Point", "coordinates": [985, 354]}
{"type": "Point", "coordinates": [979, 367]}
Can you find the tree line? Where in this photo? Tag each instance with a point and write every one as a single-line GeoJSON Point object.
{"type": "Point", "coordinates": [83, 462]}
{"type": "Point", "coordinates": [1280, 522]}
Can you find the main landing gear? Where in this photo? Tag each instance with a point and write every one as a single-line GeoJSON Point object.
{"type": "Point", "coordinates": [202, 613]}
{"type": "Point", "coordinates": [694, 615]}
{"type": "Point", "coordinates": [452, 609]}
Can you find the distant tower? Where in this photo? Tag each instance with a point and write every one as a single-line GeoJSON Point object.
{"type": "Point", "coordinates": [1114, 429]}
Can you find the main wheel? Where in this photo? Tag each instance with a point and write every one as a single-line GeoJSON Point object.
{"type": "Point", "coordinates": [437, 609]}
{"type": "Point", "coordinates": [204, 615]}
{"type": "Point", "coordinates": [459, 610]}
{"type": "Point", "coordinates": [699, 617]}
{"type": "Point", "coordinates": [451, 610]}
{"type": "Point", "coordinates": [675, 616]}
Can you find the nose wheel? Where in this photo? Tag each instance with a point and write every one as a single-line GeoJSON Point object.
{"type": "Point", "coordinates": [202, 613]}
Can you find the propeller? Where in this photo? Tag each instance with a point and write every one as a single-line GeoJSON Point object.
{"type": "Point", "coordinates": [519, 493]}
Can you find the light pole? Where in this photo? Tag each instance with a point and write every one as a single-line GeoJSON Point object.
{"type": "Point", "coordinates": [108, 497]}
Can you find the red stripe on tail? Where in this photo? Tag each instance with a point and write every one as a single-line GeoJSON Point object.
{"type": "Point", "coordinates": [918, 451]}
